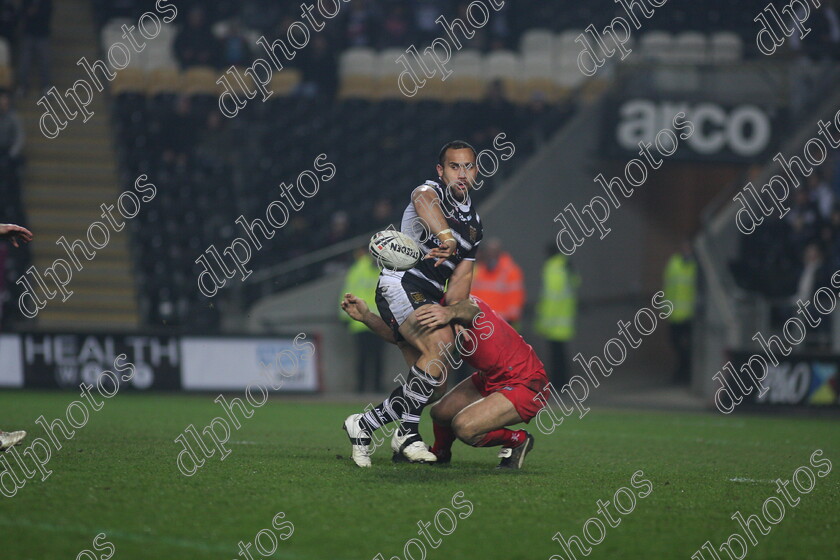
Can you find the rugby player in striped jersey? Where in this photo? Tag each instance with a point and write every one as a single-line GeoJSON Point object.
{"type": "Point", "coordinates": [441, 218]}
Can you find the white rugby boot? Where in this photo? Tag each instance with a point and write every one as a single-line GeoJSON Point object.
{"type": "Point", "coordinates": [410, 448]}
{"type": "Point", "coordinates": [359, 440]}
{"type": "Point", "coordinates": [10, 439]}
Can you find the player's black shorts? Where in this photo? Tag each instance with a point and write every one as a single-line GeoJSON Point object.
{"type": "Point", "coordinates": [397, 297]}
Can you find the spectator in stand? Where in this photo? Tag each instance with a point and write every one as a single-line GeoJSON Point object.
{"type": "Point", "coordinates": [11, 131]}
{"type": "Point", "coordinates": [37, 15]}
{"type": "Point", "coordinates": [195, 44]}
{"type": "Point", "coordinates": [363, 24]}
{"type": "Point", "coordinates": [833, 167]}
{"type": "Point", "coordinates": [235, 49]}
{"type": "Point", "coordinates": [396, 27]}
{"type": "Point", "coordinates": [319, 69]}
{"type": "Point", "coordinates": [481, 37]}
{"type": "Point", "coordinates": [11, 141]}
{"type": "Point", "coordinates": [500, 36]}
{"type": "Point", "coordinates": [499, 282]}
{"type": "Point", "coordinates": [827, 242]}
{"type": "Point", "coordinates": [819, 192]}
{"type": "Point", "coordinates": [425, 14]}
{"type": "Point", "coordinates": [815, 274]}
{"type": "Point", "coordinates": [804, 219]}
{"type": "Point", "coordinates": [831, 239]}
{"type": "Point", "coordinates": [823, 41]}
{"type": "Point", "coordinates": [8, 21]}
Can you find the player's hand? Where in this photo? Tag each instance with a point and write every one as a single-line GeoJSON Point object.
{"type": "Point", "coordinates": [442, 252]}
{"type": "Point", "coordinates": [355, 307]}
{"type": "Point", "coordinates": [15, 233]}
{"type": "Point", "coordinates": [467, 336]}
{"type": "Point", "coordinates": [434, 316]}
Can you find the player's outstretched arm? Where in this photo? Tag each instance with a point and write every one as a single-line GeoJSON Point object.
{"type": "Point", "coordinates": [427, 205]}
{"type": "Point", "coordinates": [458, 287]}
{"type": "Point", "coordinates": [15, 233]}
{"type": "Point", "coordinates": [358, 310]}
{"type": "Point", "coordinates": [433, 316]}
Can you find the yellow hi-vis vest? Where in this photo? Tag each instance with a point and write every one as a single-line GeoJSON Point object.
{"type": "Point", "coordinates": [361, 281]}
{"type": "Point", "coordinates": [681, 287]}
{"type": "Point", "coordinates": [557, 307]}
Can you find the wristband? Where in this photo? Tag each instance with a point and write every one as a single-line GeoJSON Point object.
{"type": "Point", "coordinates": [449, 236]}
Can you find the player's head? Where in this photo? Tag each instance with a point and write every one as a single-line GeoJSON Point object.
{"type": "Point", "coordinates": [457, 168]}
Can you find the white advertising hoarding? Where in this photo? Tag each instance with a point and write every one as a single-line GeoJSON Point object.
{"type": "Point", "coordinates": [11, 364]}
{"type": "Point", "coordinates": [220, 364]}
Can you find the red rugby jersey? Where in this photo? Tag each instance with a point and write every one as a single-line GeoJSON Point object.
{"type": "Point", "coordinates": [501, 353]}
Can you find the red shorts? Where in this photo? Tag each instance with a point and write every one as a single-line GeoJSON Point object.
{"type": "Point", "coordinates": [519, 392]}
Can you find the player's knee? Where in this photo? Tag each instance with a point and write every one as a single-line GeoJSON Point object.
{"type": "Point", "coordinates": [465, 430]}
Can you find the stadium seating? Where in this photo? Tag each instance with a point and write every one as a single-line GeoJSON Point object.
{"type": "Point", "coordinates": [725, 46]}
{"type": "Point", "coordinates": [357, 72]}
{"type": "Point", "coordinates": [209, 170]}
{"type": "Point", "coordinates": [537, 41]}
{"type": "Point", "coordinates": [273, 148]}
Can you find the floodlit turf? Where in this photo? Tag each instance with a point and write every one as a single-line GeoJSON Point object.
{"type": "Point", "coordinates": [118, 476]}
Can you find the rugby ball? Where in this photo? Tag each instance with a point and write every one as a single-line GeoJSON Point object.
{"type": "Point", "coordinates": [394, 250]}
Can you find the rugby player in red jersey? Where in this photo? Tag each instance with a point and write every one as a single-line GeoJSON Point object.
{"type": "Point", "coordinates": [501, 393]}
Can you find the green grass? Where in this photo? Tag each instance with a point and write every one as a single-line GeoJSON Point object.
{"type": "Point", "coordinates": [118, 476]}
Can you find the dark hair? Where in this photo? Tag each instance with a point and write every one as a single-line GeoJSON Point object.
{"type": "Point", "coordinates": [455, 145]}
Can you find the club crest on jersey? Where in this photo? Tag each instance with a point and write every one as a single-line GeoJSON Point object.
{"type": "Point", "coordinates": [473, 234]}
{"type": "Point", "coordinates": [417, 297]}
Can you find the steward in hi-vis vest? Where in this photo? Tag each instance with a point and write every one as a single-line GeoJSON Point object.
{"type": "Point", "coordinates": [556, 313]}
{"type": "Point", "coordinates": [680, 289]}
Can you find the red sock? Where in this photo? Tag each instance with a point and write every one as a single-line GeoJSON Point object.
{"type": "Point", "coordinates": [444, 437]}
{"type": "Point", "coordinates": [503, 437]}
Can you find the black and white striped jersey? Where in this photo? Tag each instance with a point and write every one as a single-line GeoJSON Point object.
{"type": "Point", "coordinates": [465, 224]}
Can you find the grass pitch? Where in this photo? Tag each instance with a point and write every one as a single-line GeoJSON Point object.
{"type": "Point", "coordinates": [118, 476]}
